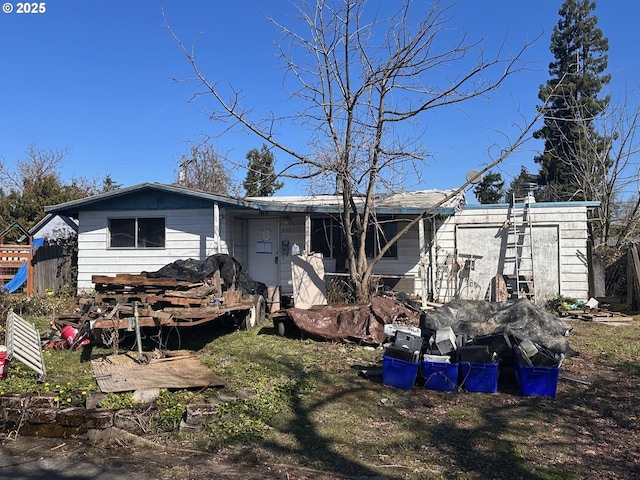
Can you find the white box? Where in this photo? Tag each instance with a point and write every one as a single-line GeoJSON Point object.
{"type": "Point", "coordinates": [445, 340]}
{"type": "Point", "coordinates": [390, 329]}
{"type": "Point", "coordinates": [437, 358]}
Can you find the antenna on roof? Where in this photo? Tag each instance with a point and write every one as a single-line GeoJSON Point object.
{"type": "Point", "coordinates": [474, 176]}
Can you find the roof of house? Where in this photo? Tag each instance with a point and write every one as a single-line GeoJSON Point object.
{"type": "Point", "coordinates": [157, 196]}
{"type": "Point", "coordinates": [146, 196]}
{"type": "Point", "coordinates": [410, 203]}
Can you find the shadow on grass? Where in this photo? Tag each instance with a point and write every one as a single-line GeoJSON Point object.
{"type": "Point", "coordinates": [477, 435]}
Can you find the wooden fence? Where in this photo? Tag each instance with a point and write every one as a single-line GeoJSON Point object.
{"type": "Point", "coordinates": [52, 269]}
{"type": "Point", "coordinates": [12, 258]}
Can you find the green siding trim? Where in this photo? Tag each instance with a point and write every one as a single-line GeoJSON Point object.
{"type": "Point", "coordinates": [150, 200]}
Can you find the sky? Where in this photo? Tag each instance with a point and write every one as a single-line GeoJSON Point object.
{"type": "Point", "coordinates": [104, 80]}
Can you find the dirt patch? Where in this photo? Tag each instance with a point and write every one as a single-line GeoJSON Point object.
{"type": "Point", "coordinates": [165, 462]}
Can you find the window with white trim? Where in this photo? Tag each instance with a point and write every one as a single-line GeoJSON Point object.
{"type": "Point", "coordinates": [147, 232]}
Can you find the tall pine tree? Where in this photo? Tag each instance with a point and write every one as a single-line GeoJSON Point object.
{"type": "Point", "coordinates": [571, 141]}
{"type": "Point", "coordinates": [490, 189]}
{"type": "Point", "coordinates": [261, 177]}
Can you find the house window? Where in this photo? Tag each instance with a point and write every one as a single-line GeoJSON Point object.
{"type": "Point", "coordinates": [136, 232]}
{"type": "Point", "coordinates": [378, 236]}
{"type": "Point", "coordinates": [327, 237]}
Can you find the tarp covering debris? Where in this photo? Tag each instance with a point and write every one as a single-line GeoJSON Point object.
{"type": "Point", "coordinates": [518, 317]}
{"type": "Point", "coordinates": [353, 322]}
{"type": "Point", "coordinates": [192, 270]}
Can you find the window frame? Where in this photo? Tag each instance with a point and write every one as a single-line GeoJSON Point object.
{"type": "Point", "coordinates": [140, 229]}
{"type": "Point", "coordinates": [330, 234]}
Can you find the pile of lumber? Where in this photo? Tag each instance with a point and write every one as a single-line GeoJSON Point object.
{"type": "Point", "coordinates": [598, 315]}
{"type": "Point", "coordinates": [156, 302]}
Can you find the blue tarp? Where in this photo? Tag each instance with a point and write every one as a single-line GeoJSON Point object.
{"type": "Point", "coordinates": [21, 276]}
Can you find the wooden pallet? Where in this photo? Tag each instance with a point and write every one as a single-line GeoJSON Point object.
{"type": "Point", "coordinates": [600, 316]}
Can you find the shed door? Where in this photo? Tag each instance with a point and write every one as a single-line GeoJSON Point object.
{"type": "Point", "coordinates": [264, 246]}
{"type": "Point", "coordinates": [486, 246]}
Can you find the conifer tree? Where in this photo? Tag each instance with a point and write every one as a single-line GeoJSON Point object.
{"type": "Point", "coordinates": [261, 178]}
{"type": "Point", "coordinates": [490, 189]}
{"type": "Point", "coordinates": [579, 49]}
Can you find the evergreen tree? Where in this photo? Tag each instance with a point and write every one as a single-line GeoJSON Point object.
{"type": "Point", "coordinates": [109, 184]}
{"type": "Point", "coordinates": [261, 178]}
{"type": "Point", "coordinates": [490, 189]}
{"type": "Point", "coordinates": [570, 138]}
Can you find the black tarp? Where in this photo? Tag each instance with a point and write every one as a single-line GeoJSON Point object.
{"type": "Point", "coordinates": [231, 273]}
{"type": "Point", "coordinates": [521, 318]}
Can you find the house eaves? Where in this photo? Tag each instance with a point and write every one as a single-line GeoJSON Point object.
{"type": "Point", "coordinates": [590, 205]}
{"type": "Point", "coordinates": [147, 196]}
{"type": "Point", "coordinates": [47, 218]}
{"type": "Point", "coordinates": [409, 203]}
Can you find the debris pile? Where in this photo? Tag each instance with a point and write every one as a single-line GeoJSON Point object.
{"type": "Point", "coordinates": [462, 344]}
{"type": "Point", "coordinates": [183, 293]}
{"type": "Point", "coordinates": [358, 323]}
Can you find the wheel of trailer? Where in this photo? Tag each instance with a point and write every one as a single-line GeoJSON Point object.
{"type": "Point", "coordinates": [281, 327]}
{"type": "Point", "coordinates": [256, 314]}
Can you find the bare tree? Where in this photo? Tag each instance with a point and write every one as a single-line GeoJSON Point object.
{"type": "Point", "coordinates": [202, 169]}
{"type": "Point", "coordinates": [601, 167]}
{"type": "Point", "coordinates": [621, 128]}
{"type": "Point", "coordinates": [364, 82]}
{"type": "Point", "coordinates": [34, 182]}
{"type": "Point", "coordinates": [38, 165]}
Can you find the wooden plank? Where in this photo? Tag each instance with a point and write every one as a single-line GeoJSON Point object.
{"type": "Point", "coordinates": [178, 301]}
{"type": "Point", "coordinates": [195, 312]}
{"type": "Point", "coordinates": [123, 323]}
{"type": "Point", "coordinates": [600, 316]}
{"type": "Point", "coordinates": [195, 292]}
{"type": "Point", "coordinates": [140, 280]}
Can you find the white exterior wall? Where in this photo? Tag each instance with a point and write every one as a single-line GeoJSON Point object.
{"type": "Point", "coordinates": [406, 263]}
{"type": "Point", "coordinates": [189, 234]}
{"type": "Point", "coordinates": [559, 250]}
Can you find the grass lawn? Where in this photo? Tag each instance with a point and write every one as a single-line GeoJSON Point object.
{"type": "Point", "coordinates": [309, 405]}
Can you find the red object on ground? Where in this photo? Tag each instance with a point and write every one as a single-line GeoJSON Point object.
{"type": "Point", "coordinates": [69, 333]}
{"type": "Point", "coordinates": [4, 364]}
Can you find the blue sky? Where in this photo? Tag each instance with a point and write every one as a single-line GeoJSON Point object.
{"type": "Point", "coordinates": [95, 77]}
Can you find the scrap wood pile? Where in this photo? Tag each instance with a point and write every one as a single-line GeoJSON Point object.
{"type": "Point", "coordinates": [592, 311]}
{"type": "Point", "coordinates": [183, 292]}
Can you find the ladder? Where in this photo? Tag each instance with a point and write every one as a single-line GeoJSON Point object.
{"type": "Point", "coordinates": [521, 243]}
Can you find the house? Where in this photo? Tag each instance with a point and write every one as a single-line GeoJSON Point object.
{"type": "Point", "coordinates": [454, 252]}
{"type": "Point", "coordinates": [53, 227]}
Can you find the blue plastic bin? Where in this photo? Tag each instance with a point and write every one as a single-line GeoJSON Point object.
{"type": "Point", "coordinates": [399, 373]}
{"type": "Point", "coordinates": [479, 377]}
{"type": "Point", "coordinates": [537, 381]}
{"type": "Point", "coordinates": [440, 376]}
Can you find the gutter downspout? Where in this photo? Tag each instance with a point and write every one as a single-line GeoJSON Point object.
{"type": "Point", "coordinates": [216, 227]}
{"type": "Point", "coordinates": [422, 274]}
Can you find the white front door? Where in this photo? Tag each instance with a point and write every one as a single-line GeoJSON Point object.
{"type": "Point", "coordinates": [264, 250]}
